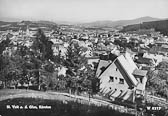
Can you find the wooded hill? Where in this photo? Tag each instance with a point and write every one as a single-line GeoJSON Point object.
{"type": "Point", "coordinates": [161, 26]}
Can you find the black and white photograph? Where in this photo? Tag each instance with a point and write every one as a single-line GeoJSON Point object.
{"type": "Point", "coordinates": [83, 57]}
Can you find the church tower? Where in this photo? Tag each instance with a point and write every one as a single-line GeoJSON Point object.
{"type": "Point", "coordinates": [27, 31]}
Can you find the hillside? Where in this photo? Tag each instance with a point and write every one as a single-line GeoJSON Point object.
{"type": "Point", "coordinates": [118, 23]}
{"type": "Point", "coordinates": [59, 103]}
{"type": "Point", "coordinates": [29, 102]}
{"type": "Point", "coordinates": [15, 26]}
{"type": "Point", "coordinates": [45, 22]}
{"type": "Point", "coordinates": [161, 26]}
{"type": "Point", "coordinates": [97, 24]}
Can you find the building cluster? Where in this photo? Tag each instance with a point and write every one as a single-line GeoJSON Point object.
{"type": "Point", "coordinates": [123, 59]}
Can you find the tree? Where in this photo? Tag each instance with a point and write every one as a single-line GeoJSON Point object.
{"type": "Point", "coordinates": [41, 54]}
{"type": "Point", "coordinates": [91, 82]}
{"type": "Point", "coordinates": [80, 75]}
{"type": "Point", "coordinates": [11, 70]}
{"type": "Point", "coordinates": [157, 80]}
{"type": "Point", "coordinates": [25, 62]}
{"type": "Point", "coordinates": [4, 44]}
{"type": "Point", "coordinates": [4, 60]}
{"type": "Point", "coordinates": [43, 46]}
{"type": "Point", "coordinates": [162, 65]}
{"type": "Point", "coordinates": [74, 62]}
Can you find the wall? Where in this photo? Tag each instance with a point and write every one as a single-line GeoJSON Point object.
{"type": "Point", "coordinates": [115, 87]}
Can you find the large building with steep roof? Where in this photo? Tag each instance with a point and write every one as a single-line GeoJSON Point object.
{"type": "Point", "coordinates": [121, 79]}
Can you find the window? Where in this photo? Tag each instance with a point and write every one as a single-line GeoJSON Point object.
{"type": "Point", "coordinates": [103, 69]}
{"type": "Point", "coordinates": [141, 80]}
{"type": "Point", "coordinates": [116, 78]}
{"type": "Point", "coordinates": [111, 79]}
{"type": "Point", "coordinates": [121, 81]}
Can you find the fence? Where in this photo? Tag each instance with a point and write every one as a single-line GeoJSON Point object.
{"type": "Point", "coordinates": [156, 100]}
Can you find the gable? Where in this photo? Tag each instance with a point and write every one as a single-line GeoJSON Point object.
{"type": "Point", "coordinates": [105, 78]}
{"type": "Point", "coordinates": [124, 68]}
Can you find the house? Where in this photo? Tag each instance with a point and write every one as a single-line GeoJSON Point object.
{"type": "Point", "coordinates": [140, 75]}
{"type": "Point", "coordinates": [157, 58]}
{"type": "Point", "coordinates": [121, 79]}
{"type": "Point", "coordinates": [92, 60]}
{"type": "Point", "coordinates": [146, 61]}
{"type": "Point", "coordinates": [62, 71]}
{"type": "Point", "coordinates": [59, 49]}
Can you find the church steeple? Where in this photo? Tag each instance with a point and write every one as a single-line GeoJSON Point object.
{"type": "Point", "coordinates": [27, 31]}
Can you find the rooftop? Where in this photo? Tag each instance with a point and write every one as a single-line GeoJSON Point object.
{"type": "Point", "coordinates": [140, 72]}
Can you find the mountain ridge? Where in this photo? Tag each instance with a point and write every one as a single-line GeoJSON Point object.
{"type": "Point", "coordinates": [109, 23]}
{"type": "Point", "coordinates": [104, 23]}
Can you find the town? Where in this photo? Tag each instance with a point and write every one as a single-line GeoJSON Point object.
{"type": "Point", "coordinates": [123, 68]}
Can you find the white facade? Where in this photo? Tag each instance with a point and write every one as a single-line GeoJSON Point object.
{"type": "Point", "coordinates": [111, 83]}
{"type": "Point", "coordinates": [121, 79]}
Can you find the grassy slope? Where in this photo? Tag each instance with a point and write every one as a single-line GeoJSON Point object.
{"type": "Point", "coordinates": [58, 108]}
{"type": "Point", "coordinates": [61, 104]}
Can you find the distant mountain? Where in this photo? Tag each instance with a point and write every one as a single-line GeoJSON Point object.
{"type": "Point", "coordinates": [98, 24]}
{"type": "Point", "coordinates": [15, 26]}
{"type": "Point", "coordinates": [119, 23]}
{"type": "Point", "coordinates": [8, 19]}
{"type": "Point", "coordinates": [7, 23]}
{"type": "Point", "coordinates": [45, 22]}
{"type": "Point", "coordinates": [25, 22]}
{"type": "Point", "coordinates": [4, 23]}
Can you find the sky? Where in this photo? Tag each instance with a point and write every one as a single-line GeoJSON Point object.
{"type": "Point", "coordinates": [82, 10]}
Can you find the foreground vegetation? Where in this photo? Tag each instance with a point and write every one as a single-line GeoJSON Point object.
{"type": "Point", "coordinates": [61, 104]}
{"type": "Point", "coordinates": [64, 104]}
{"type": "Point", "coordinates": [58, 108]}
{"type": "Point", "coordinates": [37, 65]}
